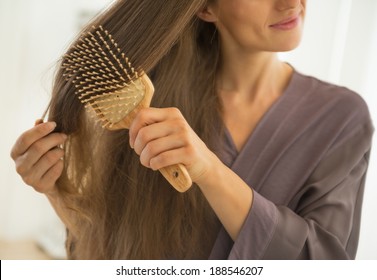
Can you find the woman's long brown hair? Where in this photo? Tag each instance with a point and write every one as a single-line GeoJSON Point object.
{"type": "Point", "coordinates": [119, 209]}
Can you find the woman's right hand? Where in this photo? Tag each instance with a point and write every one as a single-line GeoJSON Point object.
{"type": "Point", "coordinates": [38, 157]}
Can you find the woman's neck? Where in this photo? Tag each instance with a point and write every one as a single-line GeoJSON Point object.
{"type": "Point", "coordinates": [253, 76]}
{"type": "Point", "coordinates": [247, 87]}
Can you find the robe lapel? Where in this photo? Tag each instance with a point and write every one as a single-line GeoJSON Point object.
{"type": "Point", "coordinates": [261, 151]}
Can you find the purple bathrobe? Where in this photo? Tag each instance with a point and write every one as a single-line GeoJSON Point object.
{"type": "Point", "coordinates": [306, 162]}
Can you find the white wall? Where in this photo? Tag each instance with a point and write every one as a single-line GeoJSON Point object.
{"type": "Point", "coordinates": [338, 46]}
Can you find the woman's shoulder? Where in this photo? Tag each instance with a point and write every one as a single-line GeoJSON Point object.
{"type": "Point", "coordinates": [333, 99]}
{"type": "Point", "coordinates": [331, 109]}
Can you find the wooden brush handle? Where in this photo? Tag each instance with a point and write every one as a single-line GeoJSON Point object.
{"type": "Point", "coordinates": [178, 176]}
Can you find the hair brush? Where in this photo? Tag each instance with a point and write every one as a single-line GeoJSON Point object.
{"type": "Point", "coordinates": [107, 84]}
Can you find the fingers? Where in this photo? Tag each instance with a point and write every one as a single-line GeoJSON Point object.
{"type": "Point", "coordinates": [47, 181]}
{"type": "Point", "coordinates": [155, 131]}
{"type": "Point", "coordinates": [37, 177]}
{"type": "Point", "coordinates": [149, 133]}
{"type": "Point", "coordinates": [149, 116]}
{"type": "Point", "coordinates": [30, 136]}
{"type": "Point", "coordinates": [168, 158]}
{"type": "Point", "coordinates": [39, 148]}
{"type": "Point", "coordinates": [38, 157]}
{"type": "Point", "coordinates": [159, 147]}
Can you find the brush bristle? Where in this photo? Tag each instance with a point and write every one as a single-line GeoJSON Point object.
{"type": "Point", "coordinates": [103, 76]}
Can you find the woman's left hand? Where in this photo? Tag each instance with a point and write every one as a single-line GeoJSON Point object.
{"type": "Point", "coordinates": [162, 137]}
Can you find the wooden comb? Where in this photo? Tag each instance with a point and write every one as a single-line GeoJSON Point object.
{"type": "Point", "coordinates": [107, 84]}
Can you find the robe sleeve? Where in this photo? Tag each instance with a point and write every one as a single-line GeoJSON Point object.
{"type": "Point", "coordinates": [326, 219]}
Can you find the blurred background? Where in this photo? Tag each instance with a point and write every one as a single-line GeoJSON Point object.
{"type": "Point", "coordinates": [339, 46]}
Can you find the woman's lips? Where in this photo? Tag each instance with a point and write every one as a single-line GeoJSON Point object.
{"type": "Point", "coordinates": [287, 24]}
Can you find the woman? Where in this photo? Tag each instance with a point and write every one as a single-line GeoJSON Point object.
{"type": "Point", "coordinates": [278, 158]}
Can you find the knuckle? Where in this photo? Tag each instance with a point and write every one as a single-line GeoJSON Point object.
{"type": "Point", "coordinates": [39, 148]}
{"type": "Point", "coordinates": [29, 180]}
{"type": "Point", "coordinates": [183, 127]}
{"type": "Point", "coordinates": [184, 137]}
{"type": "Point", "coordinates": [20, 168]}
{"type": "Point", "coordinates": [190, 151]}
{"type": "Point", "coordinates": [143, 115]}
{"type": "Point", "coordinates": [21, 141]}
{"type": "Point", "coordinates": [52, 156]}
{"type": "Point", "coordinates": [174, 111]}
{"type": "Point", "coordinates": [19, 145]}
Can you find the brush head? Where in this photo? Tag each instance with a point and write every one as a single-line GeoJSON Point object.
{"type": "Point", "coordinates": [105, 80]}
